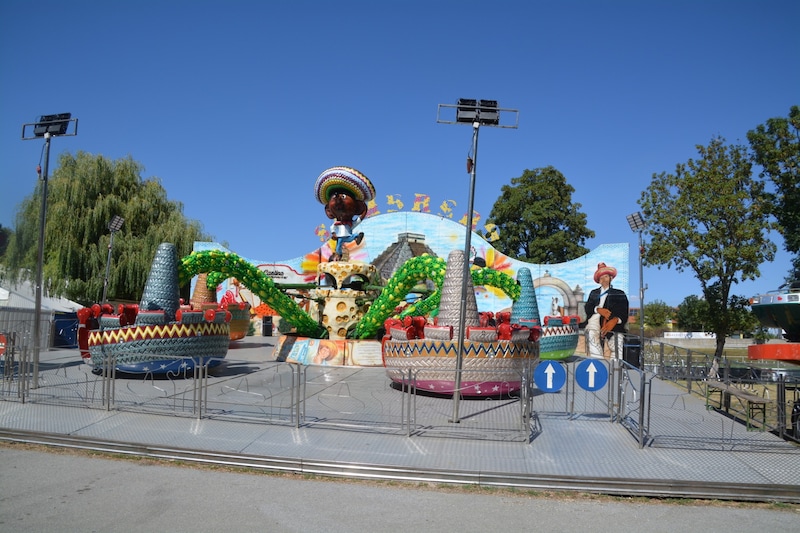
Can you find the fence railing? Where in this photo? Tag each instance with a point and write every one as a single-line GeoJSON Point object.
{"type": "Point", "coordinates": [276, 393]}
{"type": "Point", "coordinates": [762, 396]}
{"type": "Point", "coordinates": [757, 397]}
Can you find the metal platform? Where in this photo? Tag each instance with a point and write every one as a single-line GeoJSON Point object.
{"type": "Point", "coordinates": [353, 423]}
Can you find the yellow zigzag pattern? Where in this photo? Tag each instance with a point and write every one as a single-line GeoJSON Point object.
{"type": "Point", "coordinates": [149, 332]}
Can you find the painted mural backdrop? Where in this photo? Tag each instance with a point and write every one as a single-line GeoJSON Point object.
{"type": "Point", "coordinates": [560, 288]}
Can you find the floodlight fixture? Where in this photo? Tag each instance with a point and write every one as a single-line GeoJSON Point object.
{"type": "Point", "coordinates": [636, 221]}
{"type": "Point", "coordinates": [481, 112]}
{"type": "Point", "coordinates": [52, 124]}
{"type": "Point", "coordinates": [488, 115]}
{"type": "Point", "coordinates": [485, 112]}
{"type": "Point", "coordinates": [56, 125]}
{"type": "Point", "coordinates": [467, 111]}
{"type": "Point", "coordinates": [115, 224]}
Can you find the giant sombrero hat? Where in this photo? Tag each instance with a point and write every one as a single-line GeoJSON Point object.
{"type": "Point", "coordinates": [602, 268]}
{"type": "Point", "coordinates": [349, 179]}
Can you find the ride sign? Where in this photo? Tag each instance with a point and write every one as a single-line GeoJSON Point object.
{"type": "Point", "coordinates": [591, 374]}
{"type": "Point", "coordinates": [550, 376]}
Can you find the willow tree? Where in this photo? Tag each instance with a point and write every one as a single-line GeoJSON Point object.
{"type": "Point", "coordinates": [84, 194]}
{"type": "Point", "coordinates": [710, 217]}
{"type": "Point", "coordinates": [537, 220]}
{"type": "Point", "coordinates": [5, 236]}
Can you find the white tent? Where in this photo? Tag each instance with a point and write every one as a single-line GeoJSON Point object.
{"type": "Point", "coordinates": [18, 309]}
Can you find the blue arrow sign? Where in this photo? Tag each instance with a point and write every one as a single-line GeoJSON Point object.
{"type": "Point", "coordinates": [549, 376]}
{"type": "Point", "coordinates": [591, 374]}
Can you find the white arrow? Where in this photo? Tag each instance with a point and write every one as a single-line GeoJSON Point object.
{"type": "Point", "coordinates": [592, 371]}
{"type": "Point", "coordinates": [549, 371]}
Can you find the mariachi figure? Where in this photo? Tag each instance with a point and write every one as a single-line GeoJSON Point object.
{"type": "Point", "coordinates": [344, 192]}
{"type": "Point", "coordinates": [606, 314]}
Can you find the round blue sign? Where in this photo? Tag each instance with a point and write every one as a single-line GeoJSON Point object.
{"type": "Point", "coordinates": [549, 376]}
{"type": "Point", "coordinates": [591, 374]}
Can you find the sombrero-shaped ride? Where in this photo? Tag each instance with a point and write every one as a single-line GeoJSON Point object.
{"type": "Point", "coordinates": [159, 336]}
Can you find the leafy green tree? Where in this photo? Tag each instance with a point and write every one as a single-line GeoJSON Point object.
{"type": "Point", "coordinates": [776, 148]}
{"type": "Point", "coordinates": [691, 314]}
{"type": "Point", "coordinates": [658, 314]}
{"type": "Point", "coordinates": [737, 317]}
{"type": "Point", "coordinates": [743, 321]}
{"type": "Point", "coordinates": [710, 217]}
{"type": "Point", "coordinates": [537, 220]}
{"type": "Point", "coordinates": [84, 194]}
{"type": "Point", "coordinates": [697, 314]}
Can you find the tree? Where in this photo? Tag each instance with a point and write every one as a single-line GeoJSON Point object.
{"type": "Point", "coordinates": [776, 148]}
{"type": "Point", "coordinates": [697, 314]}
{"type": "Point", "coordinates": [736, 319]}
{"type": "Point", "coordinates": [711, 217]}
{"type": "Point", "coordinates": [5, 236]}
{"type": "Point", "coordinates": [657, 314]}
{"type": "Point", "coordinates": [743, 319]}
{"type": "Point", "coordinates": [84, 194]}
{"type": "Point", "coordinates": [691, 314]}
{"type": "Point", "coordinates": [537, 220]}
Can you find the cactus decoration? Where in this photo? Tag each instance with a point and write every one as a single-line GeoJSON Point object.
{"type": "Point", "coordinates": [221, 265]}
{"type": "Point", "coordinates": [231, 265]}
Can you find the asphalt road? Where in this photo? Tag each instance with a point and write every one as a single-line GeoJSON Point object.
{"type": "Point", "coordinates": [71, 491]}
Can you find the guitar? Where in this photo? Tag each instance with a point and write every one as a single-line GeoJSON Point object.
{"type": "Point", "coordinates": [607, 321]}
{"type": "Point", "coordinates": [608, 325]}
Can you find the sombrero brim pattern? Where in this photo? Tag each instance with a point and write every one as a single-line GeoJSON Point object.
{"type": "Point", "coordinates": [345, 178]}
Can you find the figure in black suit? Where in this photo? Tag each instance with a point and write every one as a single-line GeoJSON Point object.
{"type": "Point", "coordinates": [606, 313]}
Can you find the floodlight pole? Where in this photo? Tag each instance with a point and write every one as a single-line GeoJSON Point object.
{"type": "Point", "coordinates": [636, 223]}
{"type": "Point", "coordinates": [641, 302]}
{"type": "Point", "coordinates": [37, 319]}
{"type": "Point", "coordinates": [47, 127]}
{"type": "Point", "coordinates": [113, 226]}
{"type": "Point", "coordinates": [641, 336]}
{"type": "Point", "coordinates": [472, 113]}
{"type": "Point", "coordinates": [108, 268]}
{"type": "Point", "coordinates": [462, 310]}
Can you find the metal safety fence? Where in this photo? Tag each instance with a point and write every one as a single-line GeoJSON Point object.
{"type": "Point", "coordinates": [272, 392]}
{"type": "Point", "coordinates": [674, 398]}
{"type": "Point", "coordinates": [745, 404]}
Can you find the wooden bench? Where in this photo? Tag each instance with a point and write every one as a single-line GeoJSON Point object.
{"type": "Point", "coordinates": [753, 403]}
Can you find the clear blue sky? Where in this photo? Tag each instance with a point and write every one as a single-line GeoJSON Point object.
{"type": "Point", "coordinates": [238, 106]}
